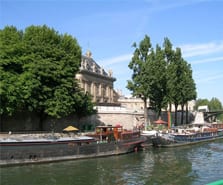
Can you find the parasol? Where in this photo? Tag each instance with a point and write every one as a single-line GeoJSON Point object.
{"type": "Point", "coordinates": [70, 129]}
{"type": "Point", "coordinates": [160, 121]}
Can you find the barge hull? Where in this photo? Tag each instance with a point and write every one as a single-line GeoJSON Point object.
{"type": "Point", "coordinates": [161, 142]}
{"type": "Point", "coordinates": [20, 154]}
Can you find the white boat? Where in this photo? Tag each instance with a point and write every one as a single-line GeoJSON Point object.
{"type": "Point", "coordinates": [149, 133]}
{"type": "Point", "coordinates": [199, 131]}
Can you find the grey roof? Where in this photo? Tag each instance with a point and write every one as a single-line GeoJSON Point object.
{"type": "Point", "coordinates": [89, 64]}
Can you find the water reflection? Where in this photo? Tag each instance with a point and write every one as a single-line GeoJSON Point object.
{"type": "Point", "coordinates": [171, 167]}
{"type": "Point", "coordinates": [194, 165]}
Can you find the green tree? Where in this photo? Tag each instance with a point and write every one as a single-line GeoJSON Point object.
{"type": "Point", "coordinates": [84, 105]}
{"type": "Point", "coordinates": [215, 104]}
{"type": "Point", "coordinates": [158, 80]}
{"type": "Point", "coordinates": [162, 76]}
{"type": "Point", "coordinates": [169, 58]}
{"type": "Point", "coordinates": [11, 66]}
{"type": "Point", "coordinates": [181, 87]}
{"type": "Point", "coordinates": [188, 91]}
{"type": "Point", "coordinates": [141, 77]}
{"type": "Point", "coordinates": [38, 67]}
{"type": "Point", "coordinates": [201, 102]}
{"type": "Point", "coordinates": [174, 77]}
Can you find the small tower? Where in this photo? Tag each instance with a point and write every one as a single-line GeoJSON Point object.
{"type": "Point", "coordinates": [88, 54]}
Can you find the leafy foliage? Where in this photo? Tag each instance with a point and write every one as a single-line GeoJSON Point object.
{"type": "Point", "coordinates": [213, 105]}
{"type": "Point", "coordinates": [38, 68]}
{"type": "Point", "coordinates": [181, 87]}
{"type": "Point", "coordinates": [84, 105]}
{"type": "Point", "coordinates": [149, 75]}
{"type": "Point", "coordinates": [141, 75]}
{"type": "Point", "coordinates": [161, 75]}
{"type": "Point", "coordinates": [158, 83]}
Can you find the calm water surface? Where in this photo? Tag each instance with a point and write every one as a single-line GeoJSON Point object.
{"type": "Point", "coordinates": [191, 165]}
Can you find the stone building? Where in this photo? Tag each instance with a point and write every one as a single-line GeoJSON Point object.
{"type": "Point", "coordinates": [94, 80]}
{"type": "Point", "coordinates": [138, 104]}
{"type": "Point", "coordinates": [132, 103]}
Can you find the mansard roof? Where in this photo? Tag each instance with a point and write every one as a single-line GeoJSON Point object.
{"type": "Point", "coordinates": [88, 64]}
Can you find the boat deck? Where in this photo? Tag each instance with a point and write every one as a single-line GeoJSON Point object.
{"type": "Point", "coordinates": [4, 138]}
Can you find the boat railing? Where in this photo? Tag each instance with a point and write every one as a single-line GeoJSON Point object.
{"type": "Point", "coordinates": [218, 125]}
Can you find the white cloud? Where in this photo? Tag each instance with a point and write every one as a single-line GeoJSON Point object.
{"type": "Point", "coordinates": [208, 60]}
{"type": "Point", "coordinates": [117, 59]}
{"type": "Point", "coordinates": [210, 78]}
{"type": "Point", "coordinates": [188, 50]}
{"type": "Point", "coordinates": [191, 50]}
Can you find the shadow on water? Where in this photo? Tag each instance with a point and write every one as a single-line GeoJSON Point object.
{"type": "Point", "coordinates": [191, 165]}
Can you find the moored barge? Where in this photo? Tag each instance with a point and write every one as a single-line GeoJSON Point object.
{"type": "Point", "coordinates": [187, 136]}
{"type": "Point", "coordinates": [42, 148]}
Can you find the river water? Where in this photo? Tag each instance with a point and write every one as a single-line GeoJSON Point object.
{"type": "Point", "coordinates": [190, 165]}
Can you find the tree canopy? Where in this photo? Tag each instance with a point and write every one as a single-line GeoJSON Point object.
{"type": "Point", "coordinates": [213, 105]}
{"type": "Point", "coordinates": [139, 85]}
{"type": "Point", "coordinates": [158, 81]}
{"type": "Point", "coordinates": [161, 75]}
{"type": "Point", "coordinates": [38, 67]}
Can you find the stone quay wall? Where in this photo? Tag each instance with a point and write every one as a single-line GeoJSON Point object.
{"type": "Point", "coordinates": [113, 115]}
{"type": "Point", "coordinates": [30, 121]}
{"type": "Point", "coordinates": [129, 119]}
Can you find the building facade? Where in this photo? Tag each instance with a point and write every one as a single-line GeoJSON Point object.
{"type": "Point", "coordinates": [138, 104]}
{"type": "Point", "coordinates": [94, 80]}
{"type": "Point", "coordinates": [132, 103]}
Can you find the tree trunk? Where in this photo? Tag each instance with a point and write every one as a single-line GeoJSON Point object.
{"type": "Point", "coordinates": [187, 119]}
{"type": "Point", "coordinates": [159, 114]}
{"type": "Point", "coordinates": [170, 107]}
{"type": "Point", "coordinates": [145, 113]}
{"type": "Point", "coordinates": [182, 114]}
{"type": "Point", "coordinates": [1, 124]}
{"type": "Point", "coordinates": [175, 122]}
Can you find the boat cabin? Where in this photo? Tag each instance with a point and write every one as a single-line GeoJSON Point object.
{"type": "Point", "coordinates": [111, 133]}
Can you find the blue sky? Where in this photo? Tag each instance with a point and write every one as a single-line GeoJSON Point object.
{"type": "Point", "coordinates": [108, 28]}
